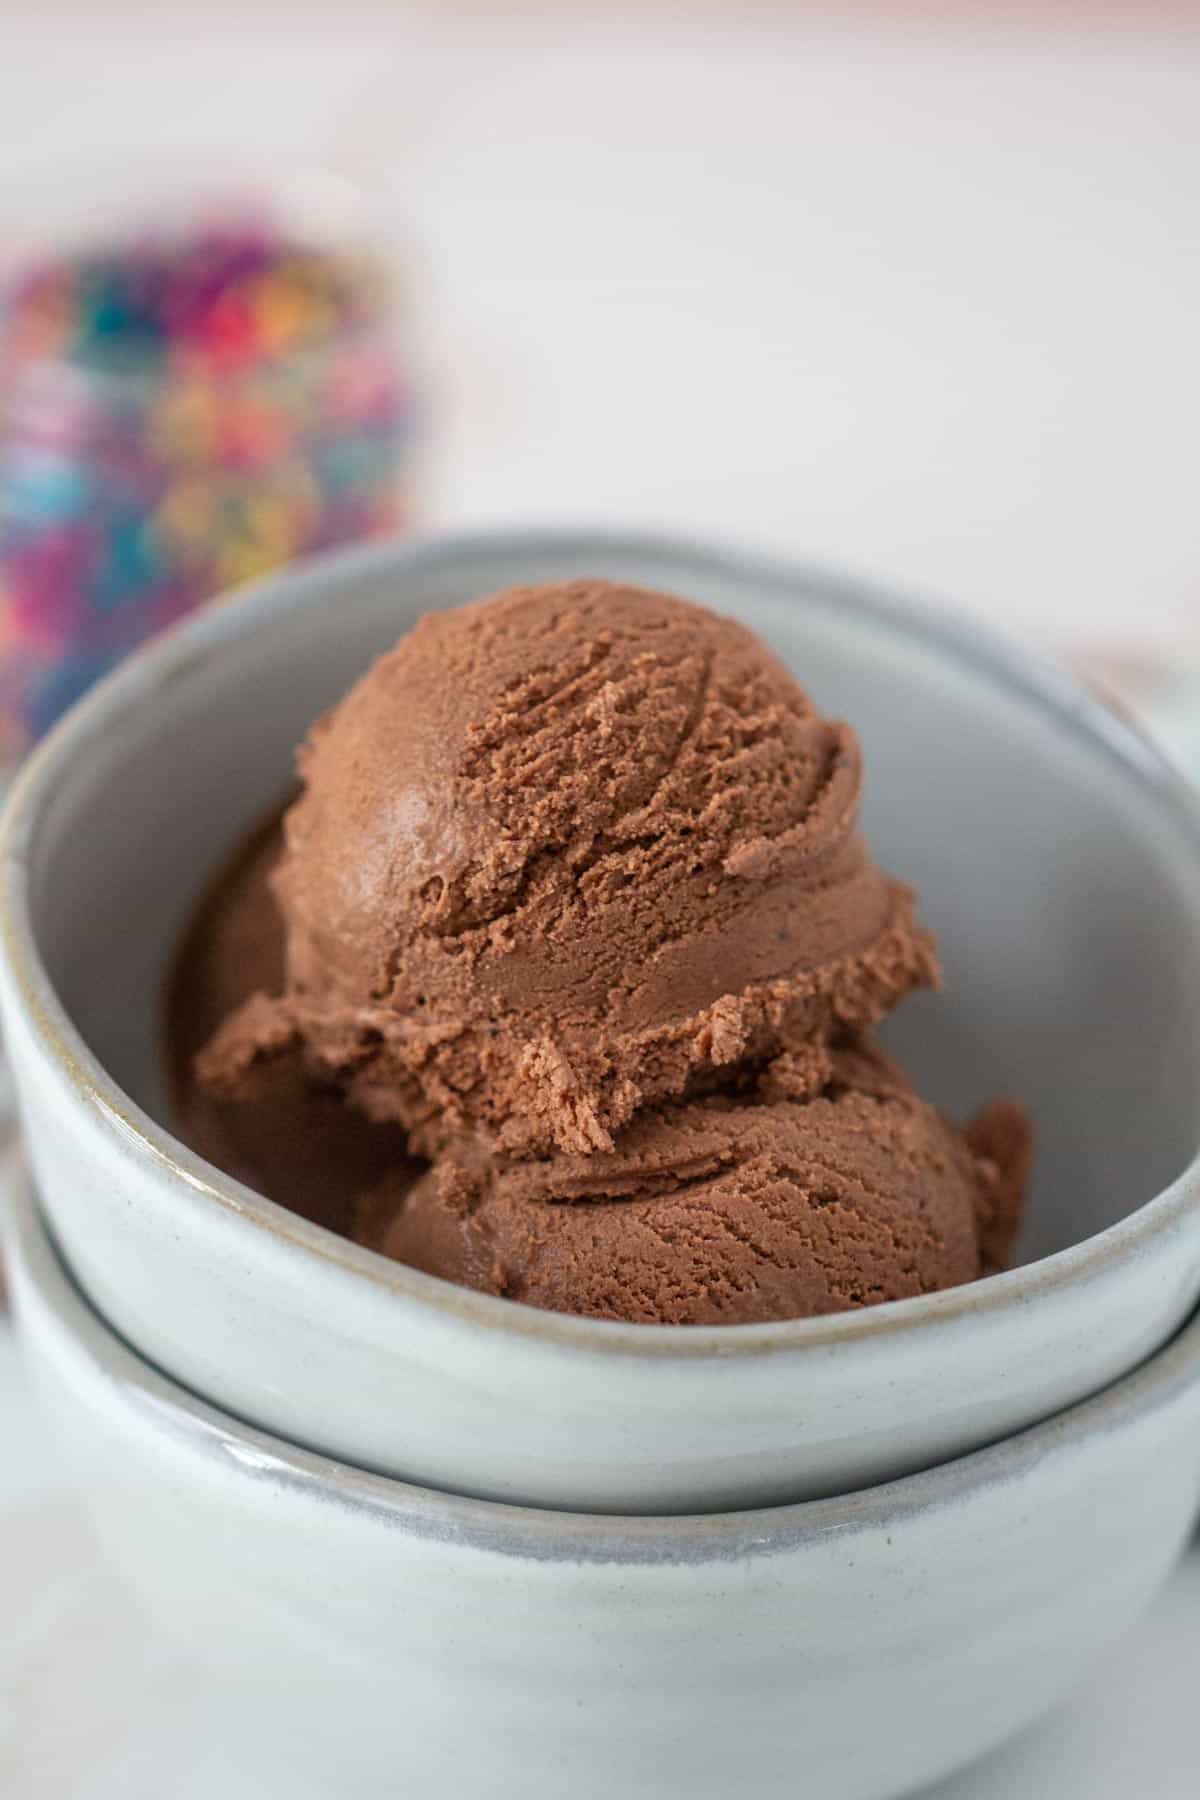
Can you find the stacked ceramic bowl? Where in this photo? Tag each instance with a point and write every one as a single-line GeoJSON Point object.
{"type": "Point", "coordinates": [431, 1542]}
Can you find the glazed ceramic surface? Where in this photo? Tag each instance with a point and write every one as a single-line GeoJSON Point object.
{"type": "Point", "coordinates": [1058, 860]}
{"type": "Point", "coordinates": [374, 1638]}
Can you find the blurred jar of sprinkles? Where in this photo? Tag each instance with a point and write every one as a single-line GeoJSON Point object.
{"type": "Point", "coordinates": [184, 405]}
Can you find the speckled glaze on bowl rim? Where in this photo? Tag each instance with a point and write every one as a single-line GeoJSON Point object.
{"type": "Point", "coordinates": [204, 636]}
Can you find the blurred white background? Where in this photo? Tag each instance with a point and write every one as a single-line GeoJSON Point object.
{"type": "Point", "coordinates": [918, 299]}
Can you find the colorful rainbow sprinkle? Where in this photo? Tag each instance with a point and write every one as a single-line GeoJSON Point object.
{"type": "Point", "coordinates": [179, 414]}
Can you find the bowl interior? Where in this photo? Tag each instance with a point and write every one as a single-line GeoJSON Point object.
{"type": "Point", "coordinates": [1059, 869]}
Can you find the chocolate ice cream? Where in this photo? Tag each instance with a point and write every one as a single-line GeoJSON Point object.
{"type": "Point", "coordinates": [298, 1143]}
{"type": "Point", "coordinates": [573, 902]}
{"type": "Point", "coordinates": [723, 1209]}
{"type": "Point", "coordinates": [563, 853]}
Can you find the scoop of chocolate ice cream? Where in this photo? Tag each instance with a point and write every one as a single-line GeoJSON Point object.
{"type": "Point", "coordinates": [297, 1142]}
{"type": "Point", "coordinates": [725, 1210]}
{"type": "Point", "coordinates": [564, 853]}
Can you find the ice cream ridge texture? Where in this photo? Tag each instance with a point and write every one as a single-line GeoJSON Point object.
{"type": "Point", "coordinates": [573, 895]}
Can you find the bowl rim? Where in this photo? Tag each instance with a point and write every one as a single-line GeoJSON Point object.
{"type": "Point", "coordinates": [544, 1534]}
{"type": "Point", "coordinates": [213, 633]}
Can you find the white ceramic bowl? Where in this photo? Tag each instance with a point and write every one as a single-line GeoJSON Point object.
{"type": "Point", "coordinates": [1059, 862]}
{"type": "Point", "coordinates": [374, 1638]}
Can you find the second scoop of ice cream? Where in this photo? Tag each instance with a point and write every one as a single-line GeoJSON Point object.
{"type": "Point", "coordinates": [565, 853]}
{"type": "Point", "coordinates": [725, 1210]}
